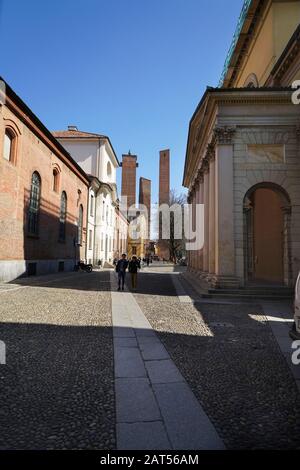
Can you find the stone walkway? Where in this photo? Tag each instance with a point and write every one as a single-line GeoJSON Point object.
{"type": "Point", "coordinates": [155, 407]}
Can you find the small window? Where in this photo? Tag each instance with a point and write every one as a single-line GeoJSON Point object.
{"type": "Point", "coordinates": [63, 216]}
{"type": "Point", "coordinates": [9, 146]}
{"type": "Point", "coordinates": [108, 169]}
{"type": "Point", "coordinates": [90, 239]}
{"type": "Point", "coordinates": [55, 180]}
{"type": "Point", "coordinates": [92, 206]}
{"type": "Point", "coordinates": [134, 250]}
{"type": "Point", "coordinates": [34, 204]}
{"type": "Point", "coordinates": [80, 225]}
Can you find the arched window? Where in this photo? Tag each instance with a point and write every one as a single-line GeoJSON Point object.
{"type": "Point", "coordinates": [55, 179]}
{"type": "Point", "coordinates": [34, 204]}
{"type": "Point", "coordinates": [63, 216]}
{"type": "Point", "coordinates": [80, 225]}
{"type": "Point", "coordinates": [108, 169]}
{"type": "Point", "coordinates": [9, 150]}
{"type": "Point", "coordinates": [251, 81]}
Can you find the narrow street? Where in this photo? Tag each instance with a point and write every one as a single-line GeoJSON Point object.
{"type": "Point", "coordinates": [92, 368]}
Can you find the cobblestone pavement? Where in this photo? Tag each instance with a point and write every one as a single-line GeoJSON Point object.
{"type": "Point", "coordinates": [57, 387]}
{"type": "Point", "coordinates": [229, 356]}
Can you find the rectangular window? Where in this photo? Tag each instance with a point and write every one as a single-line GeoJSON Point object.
{"type": "Point", "coordinates": [92, 206]}
{"type": "Point", "coordinates": [90, 239]}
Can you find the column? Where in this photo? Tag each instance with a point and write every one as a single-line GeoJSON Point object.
{"type": "Point", "coordinates": [212, 221]}
{"type": "Point", "coordinates": [193, 253]}
{"type": "Point", "coordinates": [206, 220]}
{"type": "Point", "coordinates": [224, 242]}
{"type": "Point", "coordinates": [201, 201]}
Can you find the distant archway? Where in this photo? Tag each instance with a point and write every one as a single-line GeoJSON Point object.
{"type": "Point", "coordinates": [267, 256]}
{"type": "Point", "coordinates": [251, 81]}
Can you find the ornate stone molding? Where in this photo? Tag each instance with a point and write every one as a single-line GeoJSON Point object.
{"type": "Point", "coordinates": [210, 152]}
{"type": "Point", "coordinates": [265, 136]}
{"type": "Point", "coordinates": [224, 135]}
{"type": "Point", "coordinates": [205, 165]}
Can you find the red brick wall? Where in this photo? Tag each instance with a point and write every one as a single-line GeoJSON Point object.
{"type": "Point", "coordinates": [129, 165]}
{"type": "Point", "coordinates": [15, 182]}
{"type": "Point", "coordinates": [164, 176]}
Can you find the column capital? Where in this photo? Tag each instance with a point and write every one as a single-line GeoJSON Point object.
{"type": "Point", "coordinates": [205, 165]}
{"type": "Point", "coordinates": [224, 135]}
{"type": "Point", "coordinates": [200, 176]}
{"type": "Point", "coordinates": [210, 152]}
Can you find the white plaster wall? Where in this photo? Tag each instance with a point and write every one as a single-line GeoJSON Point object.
{"type": "Point", "coordinates": [105, 158]}
{"type": "Point", "coordinates": [84, 153]}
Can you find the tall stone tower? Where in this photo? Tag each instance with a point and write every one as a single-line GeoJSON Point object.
{"type": "Point", "coordinates": [129, 165]}
{"type": "Point", "coordinates": [145, 198]}
{"type": "Point", "coordinates": [164, 176]}
{"type": "Point", "coordinates": [164, 198]}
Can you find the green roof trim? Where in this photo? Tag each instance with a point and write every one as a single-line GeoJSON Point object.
{"type": "Point", "coordinates": [239, 26]}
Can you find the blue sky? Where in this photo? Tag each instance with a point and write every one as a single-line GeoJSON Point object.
{"type": "Point", "coordinates": [131, 69]}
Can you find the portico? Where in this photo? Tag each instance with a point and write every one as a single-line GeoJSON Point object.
{"type": "Point", "coordinates": [243, 162]}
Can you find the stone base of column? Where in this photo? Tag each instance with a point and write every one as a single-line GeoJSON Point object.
{"type": "Point", "coordinates": [224, 282]}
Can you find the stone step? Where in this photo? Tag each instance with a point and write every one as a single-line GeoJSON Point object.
{"type": "Point", "coordinates": [224, 293]}
{"type": "Point", "coordinates": [254, 292]}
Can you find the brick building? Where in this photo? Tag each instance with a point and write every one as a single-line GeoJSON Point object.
{"type": "Point", "coordinates": [43, 196]}
{"type": "Point", "coordinates": [129, 165]}
{"type": "Point", "coordinates": [164, 198]}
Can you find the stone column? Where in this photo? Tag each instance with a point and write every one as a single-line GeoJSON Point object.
{"type": "Point", "coordinates": [212, 220]}
{"type": "Point", "coordinates": [201, 201]}
{"type": "Point", "coordinates": [189, 260]}
{"type": "Point", "coordinates": [224, 242]}
{"type": "Point", "coordinates": [193, 253]}
{"type": "Point", "coordinates": [206, 218]}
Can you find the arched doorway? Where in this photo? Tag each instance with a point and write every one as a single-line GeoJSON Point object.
{"type": "Point", "coordinates": [266, 235]}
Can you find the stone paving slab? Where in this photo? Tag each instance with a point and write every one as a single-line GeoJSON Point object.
{"type": "Point", "coordinates": [163, 372]}
{"type": "Point", "coordinates": [187, 425]}
{"type": "Point", "coordinates": [142, 436]}
{"type": "Point", "coordinates": [125, 342]}
{"type": "Point", "coordinates": [129, 363]}
{"type": "Point", "coordinates": [135, 401]}
{"type": "Point", "coordinates": [153, 351]}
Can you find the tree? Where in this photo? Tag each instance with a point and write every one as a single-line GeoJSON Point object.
{"type": "Point", "coordinates": [174, 244]}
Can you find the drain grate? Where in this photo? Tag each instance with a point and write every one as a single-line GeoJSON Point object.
{"type": "Point", "coordinates": [217, 324]}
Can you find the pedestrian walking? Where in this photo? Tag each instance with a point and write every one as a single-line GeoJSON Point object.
{"type": "Point", "coordinates": [121, 267]}
{"type": "Point", "coordinates": [134, 265]}
{"type": "Point", "coordinates": [148, 260]}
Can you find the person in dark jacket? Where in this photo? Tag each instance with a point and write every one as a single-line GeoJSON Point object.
{"type": "Point", "coordinates": [121, 267]}
{"type": "Point", "coordinates": [134, 265]}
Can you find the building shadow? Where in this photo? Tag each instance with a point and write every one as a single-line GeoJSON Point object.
{"type": "Point", "coordinates": [58, 386]}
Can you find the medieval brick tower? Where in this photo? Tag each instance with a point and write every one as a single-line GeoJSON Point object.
{"type": "Point", "coordinates": [164, 197]}
{"type": "Point", "coordinates": [129, 165]}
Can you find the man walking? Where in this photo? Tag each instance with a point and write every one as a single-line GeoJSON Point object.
{"type": "Point", "coordinates": [134, 265]}
{"type": "Point", "coordinates": [121, 267]}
